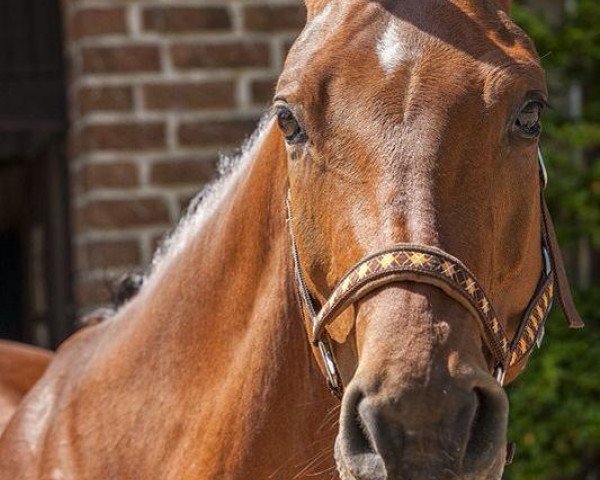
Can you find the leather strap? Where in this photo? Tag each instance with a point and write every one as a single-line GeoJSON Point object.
{"type": "Point", "coordinates": [432, 266]}
{"type": "Point", "coordinates": [563, 288]}
{"type": "Point", "coordinates": [325, 357]}
{"type": "Point", "coordinates": [549, 236]}
{"type": "Point", "coordinates": [531, 329]}
{"type": "Point", "coordinates": [419, 263]}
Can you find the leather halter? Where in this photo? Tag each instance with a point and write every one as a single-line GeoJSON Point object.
{"type": "Point", "coordinates": [431, 265]}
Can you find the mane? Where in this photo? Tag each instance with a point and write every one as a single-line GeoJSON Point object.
{"type": "Point", "coordinates": [207, 201]}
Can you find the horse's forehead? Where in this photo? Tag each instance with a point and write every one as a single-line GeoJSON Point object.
{"type": "Point", "coordinates": [346, 35]}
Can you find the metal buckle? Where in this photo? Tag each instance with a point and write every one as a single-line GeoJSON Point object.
{"type": "Point", "coordinates": [499, 375]}
{"type": "Point", "coordinates": [543, 171]}
{"type": "Point", "coordinates": [547, 260]}
{"type": "Point", "coordinates": [329, 364]}
{"type": "Point", "coordinates": [540, 336]}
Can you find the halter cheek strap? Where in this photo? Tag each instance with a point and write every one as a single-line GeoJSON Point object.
{"type": "Point", "coordinates": [430, 265]}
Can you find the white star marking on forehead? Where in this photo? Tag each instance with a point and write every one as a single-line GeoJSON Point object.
{"type": "Point", "coordinates": [390, 50]}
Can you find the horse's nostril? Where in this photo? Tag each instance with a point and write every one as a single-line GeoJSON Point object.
{"type": "Point", "coordinates": [477, 423]}
{"type": "Point", "coordinates": [483, 440]}
{"type": "Point", "coordinates": [356, 450]}
{"type": "Point", "coordinates": [364, 439]}
{"type": "Point", "coordinates": [356, 429]}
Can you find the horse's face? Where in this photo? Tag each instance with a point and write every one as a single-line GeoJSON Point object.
{"type": "Point", "coordinates": [416, 121]}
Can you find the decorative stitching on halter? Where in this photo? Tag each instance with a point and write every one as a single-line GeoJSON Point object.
{"type": "Point", "coordinates": [426, 261]}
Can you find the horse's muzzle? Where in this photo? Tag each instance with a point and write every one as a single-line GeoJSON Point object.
{"type": "Point", "coordinates": [450, 433]}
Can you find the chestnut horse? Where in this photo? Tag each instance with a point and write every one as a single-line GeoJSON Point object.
{"type": "Point", "coordinates": [408, 124]}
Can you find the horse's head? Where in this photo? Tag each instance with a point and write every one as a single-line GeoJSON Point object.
{"type": "Point", "coordinates": [416, 122]}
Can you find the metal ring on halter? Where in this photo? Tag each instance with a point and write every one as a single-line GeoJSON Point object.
{"type": "Point", "coordinates": [547, 260]}
{"type": "Point", "coordinates": [330, 368]}
{"type": "Point", "coordinates": [500, 375]}
{"type": "Point", "coordinates": [543, 171]}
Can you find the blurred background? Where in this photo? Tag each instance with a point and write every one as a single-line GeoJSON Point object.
{"type": "Point", "coordinates": [555, 405]}
{"type": "Point", "coordinates": [113, 114]}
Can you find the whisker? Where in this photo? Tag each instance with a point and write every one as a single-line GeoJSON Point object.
{"type": "Point", "coordinates": [295, 455]}
{"type": "Point", "coordinates": [321, 472]}
{"type": "Point", "coordinates": [315, 461]}
{"type": "Point", "coordinates": [329, 416]}
{"type": "Point", "coordinates": [318, 457]}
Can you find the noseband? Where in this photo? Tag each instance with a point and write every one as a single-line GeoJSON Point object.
{"type": "Point", "coordinates": [433, 266]}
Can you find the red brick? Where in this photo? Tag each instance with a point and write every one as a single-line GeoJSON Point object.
{"type": "Point", "coordinates": [215, 133]}
{"type": "Point", "coordinates": [98, 255]}
{"type": "Point", "coordinates": [111, 214]}
{"type": "Point", "coordinates": [102, 99]}
{"type": "Point", "coordinates": [121, 59]}
{"type": "Point", "coordinates": [182, 19]}
{"type": "Point", "coordinates": [109, 175]}
{"type": "Point", "coordinates": [92, 22]}
{"type": "Point", "coordinates": [263, 91]}
{"type": "Point", "coordinates": [265, 18]}
{"type": "Point", "coordinates": [190, 96]}
{"type": "Point", "coordinates": [223, 55]}
{"type": "Point", "coordinates": [181, 172]}
{"type": "Point", "coordinates": [123, 136]}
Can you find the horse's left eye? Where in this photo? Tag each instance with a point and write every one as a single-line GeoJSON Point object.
{"type": "Point", "coordinates": [528, 123]}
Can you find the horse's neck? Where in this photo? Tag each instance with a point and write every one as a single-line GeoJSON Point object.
{"type": "Point", "coordinates": [222, 322]}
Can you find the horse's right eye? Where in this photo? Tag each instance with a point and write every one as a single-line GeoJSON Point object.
{"type": "Point", "coordinates": [289, 126]}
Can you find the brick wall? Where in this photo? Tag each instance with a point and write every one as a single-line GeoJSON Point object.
{"type": "Point", "coordinates": [157, 89]}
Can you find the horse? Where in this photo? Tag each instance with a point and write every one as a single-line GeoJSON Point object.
{"type": "Point", "coordinates": [21, 366]}
{"type": "Point", "coordinates": [382, 234]}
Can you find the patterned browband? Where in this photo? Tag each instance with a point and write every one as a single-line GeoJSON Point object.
{"type": "Point", "coordinates": [427, 264]}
